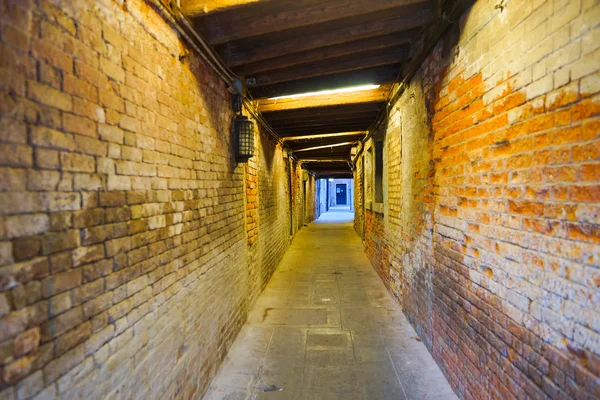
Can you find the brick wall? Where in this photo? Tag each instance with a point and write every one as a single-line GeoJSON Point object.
{"type": "Point", "coordinates": [129, 254]}
{"type": "Point", "coordinates": [269, 226]}
{"type": "Point", "coordinates": [493, 201]}
{"type": "Point", "coordinates": [304, 206]}
{"type": "Point", "coordinates": [359, 214]}
{"type": "Point", "coordinates": [311, 199]}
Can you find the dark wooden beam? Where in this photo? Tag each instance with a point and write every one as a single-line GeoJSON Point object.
{"type": "Point", "coordinates": [301, 147]}
{"type": "Point", "coordinates": [327, 53]}
{"type": "Point", "coordinates": [321, 122]}
{"type": "Point", "coordinates": [330, 166]}
{"type": "Point", "coordinates": [332, 119]}
{"type": "Point", "coordinates": [334, 152]}
{"type": "Point", "coordinates": [298, 40]}
{"type": "Point", "coordinates": [328, 122]}
{"type": "Point", "coordinates": [333, 174]}
{"type": "Point", "coordinates": [323, 129]}
{"type": "Point", "coordinates": [322, 112]}
{"type": "Point", "coordinates": [376, 75]}
{"type": "Point", "coordinates": [298, 144]}
{"type": "Point", "coordinates": [263, 18]}
{"type": "Point", "coordinates": [308, 138]}
{"type": "Point", "coordinates": [325, 147]}
{"type": "Point", "coordinates": [333, 160]}
{"type": "Point", "coordinates": [352, 62]}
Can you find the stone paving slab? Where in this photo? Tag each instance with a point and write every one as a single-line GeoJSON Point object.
{"type": "Point", "coordinates": [326, 328]}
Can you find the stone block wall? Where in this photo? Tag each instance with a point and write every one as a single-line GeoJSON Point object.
{"type": "Point", "coordinates": [129, 243]}
{"type": "Point", "coordinates": [491, 223]}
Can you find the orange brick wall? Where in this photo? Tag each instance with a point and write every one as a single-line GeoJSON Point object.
{"type": "Point", "coordinates": [132, 243]}
{"type": "Point", "coordinates": [492, 220]}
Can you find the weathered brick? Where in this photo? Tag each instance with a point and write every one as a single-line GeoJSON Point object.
{"type": "Point", "coordinates": [87, 218]}
{"type": "Point", "coordinates": [15, 155]}
{"type": "Point", "coordinates": [117, 246]}
{"type": "Point", "coordinates": [100, 303]}
{"type": "Point", "coordinates": [47, 159]}
{"type": "Point", "coordinates": [58, 283]}
{"type": "Point", "coordinates": [27, 342]}
{"type": "Point", "coordinates": [12, 179]}
{"type": "Point", "coordinates": [96, 270]}
{"type": "Point", "coordinates": [73, 338]}
{"type": "Point", "coordinates": [31, 385]}
{"type": "Point", "coordinates": [59, 366]}
{"type": "Point", "coordinates": [13, 324]}
{"type": "Point", "coordinates": [88, 291]}
{"type": "Point", "coordinates": [62, 323]}
{"type": "Point", "coordinates": [112, 199]}
{"type": "Point", "coordinates": [79, 88]}
{"type": "Point", "coordinates": [24, 225]}
{"type": "Point", "coordinates": [77, 162]}
{"type": "Point", "coordinates": [60, 303]}
{"type": "Point", "coordinates": [116, 182]}
{"type": "Point", "coordinates": [89, 74]}
{"type": "Point", "coordinates": [18, 369]}
{"type": "Point", "coordinates": [55, 242]}
{"type": "Point", "coordinates": [49, 96]}
{"type": "Point", "coordinates": [79, 125]}
{"type": "Point", "coordinates": [26, 248]}
{"type": "Point", "coordinates": [60, 201]}
{"type": "Point", "coordinates": [110, 133]}
{"type": "Point", "coordinates": [84, 255]}
{"type": "Point", "coordinates": [119, 310]}
{"type": "Point", "coordinates": [23, 272]}
{"type": "Point", "coordinates": [48, 52]}
{"type": "Point", "coordinates": [42, 180]}
{"type": "Point", "coordinates": [99, 339]}
{"type": "Point", "coordinates": [61, 262]}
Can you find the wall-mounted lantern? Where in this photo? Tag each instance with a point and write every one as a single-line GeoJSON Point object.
{"type": "Point", "coordinates": [244, 131]}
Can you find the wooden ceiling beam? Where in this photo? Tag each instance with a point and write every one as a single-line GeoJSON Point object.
{"type": "Point", "coordinates": [375, 75]}
{"type": "Point", "coordinates": [360, 60]}
{"type": "Point", "coordinates": [325, 146]}
{"type": "Point", "coordinates": [244, 52]}
{"type": "Point", "coordinates": [317, 131]}
{"type": "Point", "coordinates": [334, 160]}
{"type": "Point", "coordinates": [327, 53]}
{"type": "Point", "coordinates": [333, 174]}
{"type": "Point", "coordinates": [330, 172]}
{"type": "Point", "coordinates": [375, 96]}
{"type": "Point", "coordinates": [257, 19]}
{"type": "Point", "coordinates": [192, 8]}
{"type": "Point", "coordinates": [332, 122]}
{"type": "Point", "coordinates": [325, 111]}
{"type": "Point", "coordinates": [321, 119]}
{"type": "Point", "coordinates": [298, 144]}
{"type": "Point", "coordinates": [324, 154]}
{"type": "Point", "coordinates": [323, 124]}
{"type": "Point", "coordinates": [322, 136]}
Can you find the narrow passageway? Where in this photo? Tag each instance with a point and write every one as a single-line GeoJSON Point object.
{"type": "Point", "coordinates": [326, 328]}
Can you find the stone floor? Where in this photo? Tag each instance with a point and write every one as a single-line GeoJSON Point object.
{"type": "Point", "coordinates": [326, 328]}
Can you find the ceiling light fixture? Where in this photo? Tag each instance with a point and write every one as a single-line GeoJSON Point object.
{"type": "Point", "coordinates": [331, 91]}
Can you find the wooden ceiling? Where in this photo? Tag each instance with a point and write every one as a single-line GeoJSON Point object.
{"type": "Point", "coordinates": [286, 47]}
